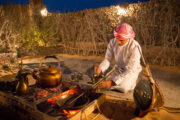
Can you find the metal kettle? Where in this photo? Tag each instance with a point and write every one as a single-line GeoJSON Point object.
{"type": "Point", "coordinates": [48, 76]}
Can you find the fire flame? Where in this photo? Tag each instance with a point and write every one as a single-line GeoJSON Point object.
{"type": "Point", "coordinates": [52, 100]}
{"type": "Point", "coordinates": [70, 113]}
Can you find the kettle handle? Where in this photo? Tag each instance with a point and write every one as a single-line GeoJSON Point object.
{"type": "Point", "coordinates": [53, 56]}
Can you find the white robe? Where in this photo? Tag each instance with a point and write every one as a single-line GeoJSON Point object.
{"type": "Point", "coordinates": [127, 59]}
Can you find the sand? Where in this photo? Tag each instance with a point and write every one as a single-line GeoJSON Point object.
{"type": "Point", "coordinates": [168, 78]}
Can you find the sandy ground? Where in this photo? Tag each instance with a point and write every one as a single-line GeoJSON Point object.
{"type": "Point", "coordinates": [168, 79]}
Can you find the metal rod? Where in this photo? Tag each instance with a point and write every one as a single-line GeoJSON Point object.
{"type": "Point", "coordinates": [96, 84]}
{"type": "Point", "coordinates": [102, 79]}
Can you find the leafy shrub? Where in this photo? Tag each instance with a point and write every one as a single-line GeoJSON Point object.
{"type": "Point", "coordinates": [33, 37]}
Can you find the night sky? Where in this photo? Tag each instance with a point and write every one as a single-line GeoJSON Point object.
{"type": "Point", "coordinates": [73, 5]}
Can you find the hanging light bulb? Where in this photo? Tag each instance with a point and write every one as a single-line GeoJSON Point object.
{"type": "Point", "coordinates": [44, 12]}
{"type": "Point", "coordinates": [121, 11]}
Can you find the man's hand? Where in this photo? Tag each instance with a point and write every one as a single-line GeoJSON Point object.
{"type": "Point", "coordinates": [106, 84]}
{"type": "Point", "coordinates": [97, 69]}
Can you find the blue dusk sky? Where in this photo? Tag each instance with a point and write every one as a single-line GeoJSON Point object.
{"type": "Point", "coordinates": [73, 5]}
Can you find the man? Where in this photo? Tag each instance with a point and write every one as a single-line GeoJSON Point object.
{"type": "Point", "coordinates": [125, 51]}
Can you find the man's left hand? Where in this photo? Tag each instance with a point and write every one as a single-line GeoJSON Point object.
{"type": "Point", "coordinates": [106, 84]}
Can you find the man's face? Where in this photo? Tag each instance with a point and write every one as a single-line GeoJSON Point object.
{"type": "Point", "coordinates": [121, 42]}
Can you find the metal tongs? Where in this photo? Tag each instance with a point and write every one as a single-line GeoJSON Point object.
{"type": "Point", "coordinates": [96, 84]}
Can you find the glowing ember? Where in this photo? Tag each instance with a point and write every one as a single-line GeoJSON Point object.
{"type": "Point", "coordinates": [70, 113]}
{"type": "Point", "coordinates": [44, 93]}
{"type": "Point", "coordinates": [55, 89]}
{"type": "Point", "coordinates": [52, 101]}
{"type": "Point", "coordinates": [41, 94]}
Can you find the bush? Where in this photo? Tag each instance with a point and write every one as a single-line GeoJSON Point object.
{"type": "Point", "coordinates": [33, 37]}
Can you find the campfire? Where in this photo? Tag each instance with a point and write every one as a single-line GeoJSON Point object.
{"type": "Point", "coordinates": [49, 97]}
{"type": "Point", "coordinates": [46, 102]}
{"type": "Point", "coordinates": [53, 101]}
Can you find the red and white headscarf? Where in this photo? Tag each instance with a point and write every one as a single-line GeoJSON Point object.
{"type": "Point", "coordinates": [124, 31]}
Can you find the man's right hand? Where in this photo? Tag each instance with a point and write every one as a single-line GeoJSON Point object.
{"type": "Point", "coordinates": [97, 69]}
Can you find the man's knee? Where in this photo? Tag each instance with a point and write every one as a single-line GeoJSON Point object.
{"type": "Point", "coordinates": [125, 89]}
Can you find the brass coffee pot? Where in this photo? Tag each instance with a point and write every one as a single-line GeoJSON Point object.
{"type": "Point", "coordinates": [22, 87]}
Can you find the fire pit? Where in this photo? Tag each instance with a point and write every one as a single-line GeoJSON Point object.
{"type": "Point", "coordinates": [42, 103]}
